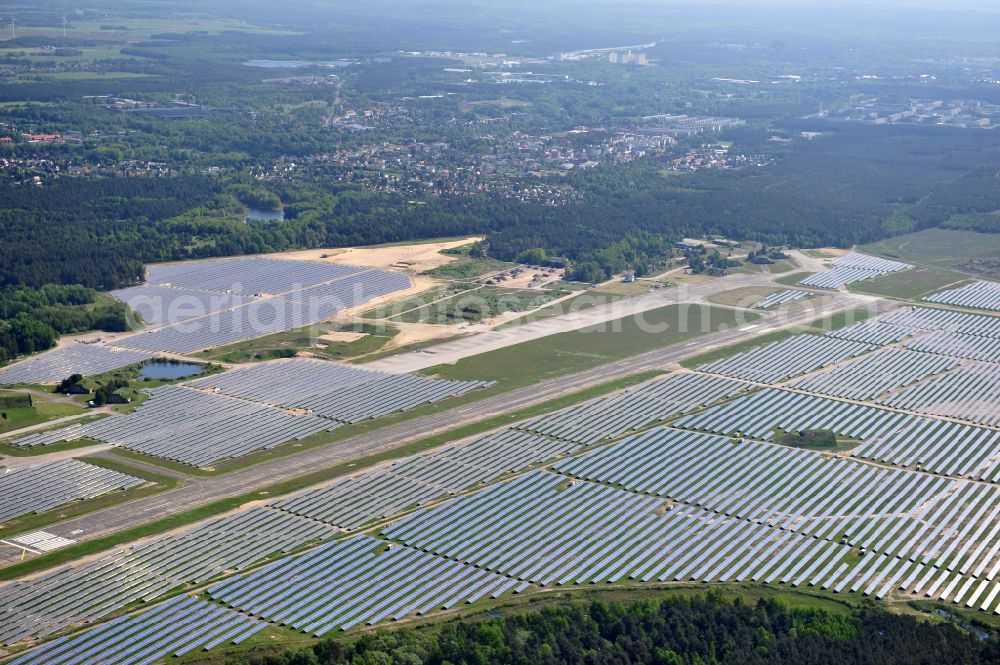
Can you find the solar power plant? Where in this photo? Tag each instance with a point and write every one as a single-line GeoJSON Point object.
{"type": "Point", "coordinates": [947, 523]}
{"type": "Point", "coordinates": [972, 394]}
{"type": "Point", "coordinates": [192, 427]}
{"type": "Point", "coordinates": [927, 318]}
{"type": "Point", "coordinates": [160, 305]}
{"type": "Point", "coordinates": [652, 402]}
{"type": "Point", "coordinates": [93, 590]}
{"type": "Point", "coordinates": [539, 529]}
{"type": "Point", "coordinates": [978, 295]}
{"type": "Point", "coordinates": [356, 581]}
{"type": "Point", "coordinates": [248, 276]}
{"type": "Point", "coordinates": [949, 448]}
{"type": "Point", "coordinates": [39, 488]}
{"type": "Point", "coordinates": [342, 392]}
{"type": "Point", "coordinates": [177, 627]}
{"type": "Point", "coordinates": [937, 446]}
{"type": "Point", "coordinates": [973, 347]}
{"type": "Point", "coordinates": [790, 357]}
{"type": "Point", "coordinates": [876, 332]}
{"type": "Point", "coordinates": [354, 502]}
{"type": "Point", "coordinates": [264, 316]}
{"type": "Point", "coordinates": [873, 375]}
{"type": "Point", "coordinates": [853, 267]}
{"type": "Point", "coordinates": [54, 366]}
{"type": "Point", "coordinates": [781, 298]}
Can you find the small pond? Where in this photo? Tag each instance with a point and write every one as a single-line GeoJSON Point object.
{"type": "Point", "coordinates": [161, 369]}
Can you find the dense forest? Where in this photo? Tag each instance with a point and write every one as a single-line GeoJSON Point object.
{"type": "Point", "coordinates": [853, 185]}
{"type": "Point", "coordinates": [691, 630]}
{"type": "Point", "coordinates": [32, 320]}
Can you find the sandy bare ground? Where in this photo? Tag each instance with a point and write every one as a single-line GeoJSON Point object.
{"type": "Point", "coordinates": [342, 336]}
{"type": "Point", "coordinates": [417, 333]}
{"type": "Point", "coordinates": [416, 257]}
{"type": "Point", "coordinates": [812, 264]}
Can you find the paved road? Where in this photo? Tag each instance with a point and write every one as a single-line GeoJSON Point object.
{"type": "Point", "coordinates": [200, 491]}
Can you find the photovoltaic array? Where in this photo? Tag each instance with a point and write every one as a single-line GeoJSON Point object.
{"type": "Point", "coordinates": [355, 581]}
{"type": "Point", "coordinates": [192, 427]}
{"type": "Point", "coordinates": [203, 304]}
{"type": "Point", "coordinates": [638, 407]}
{"type": "Point", "coordinates": [175, 628]}
{"type": "Point", "coordinates": [790, 357]}
{"type": "Point", "coordinates": [58, 364]}
{"type": "Point", "coordinates": [46, 486]}
{"type": "Point", "coordinates": [93, 590]}
{"type": "Point", "coordinates": [333, 390]}
{"type": "Point", "coordinates": [354, 502]}
{"type": "Point", "coordinates": [697, 490]}
{"type": "Point", "coordinates": [853, 267]}
{"type": "Point", "coordinates": [779, 298]}
{"type": "Point", "coordinates": [977, 295]}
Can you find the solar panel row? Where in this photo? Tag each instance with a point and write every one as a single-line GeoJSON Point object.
{"type": "Point", "coordinates": [44, 487]}
{"type": "Point", "coordinates": [333, 390]}
{"type": "Point", "coordinates": [58, 364]}
{"type": "Point", "coordinates": [873, 375]}
{"type": "Point", "coordinates": [781, 298]}
{"type": "Point", "coordinates": [264, 316]}
{"type": "Point", "coordinates": [949, 448]}
{"type": "Point", "coordinates": [354, 502]}
{"type": "Point", "coordinates": [192, 427]}
{"type": "Point", "coordinates": [968, 395]}
{"type": "Point", "coordinates": [538, 529]}
{"type": "Point", "coordinates": [177, 627]}
{"type": "Point", "coordinates": [359, 580]}
{"type": "Point", "coordinates": [790, 357]}
{"type": "Point", "coordinates": [978, 295]}
{"type": "Point", "coordinates": [927, 318]}
{"type": "Point", "coordinates": [947, 523]}
{"type": "Point", "coordinates": [853, 267]}
{"type": "Point", "coordinates": [638, 407]}
{"type": "Point", "coordinates": [92, 590]}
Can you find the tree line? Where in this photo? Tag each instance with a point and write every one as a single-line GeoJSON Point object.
{"type": "Point", "coordinates": [697, 629]}
{"type": "Point", "coordinates": [32, 320]}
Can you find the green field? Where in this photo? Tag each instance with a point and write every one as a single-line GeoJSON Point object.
{"type": "Point", "coordinates": [41, 412]}
{"type": "Point", "coordinates": [308, 339]}
{"type": "Point", "coordinates": [578, 350]}
{"type": "Point", "coordinates": [964, 251]}
{"type": "Point", "coordinates": [910, 284]}
{"type": "Point", "coordinates": [792, 279]}
{"type": "Point", "coordinates": [469, 268]}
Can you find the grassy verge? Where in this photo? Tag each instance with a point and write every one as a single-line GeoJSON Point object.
{"type": "Point", "coordinates": [175, 521]}
{"type": "Point", "coordinates": [910, 284]}
{"type": "Point", "coordinates": [564, 353]}
{"type": "Point", "coordinates": [41, 412]}
{"type": "Point", "coordinates": [792, 279]}
{"type": "Point", "coordinates": [582, 301]}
